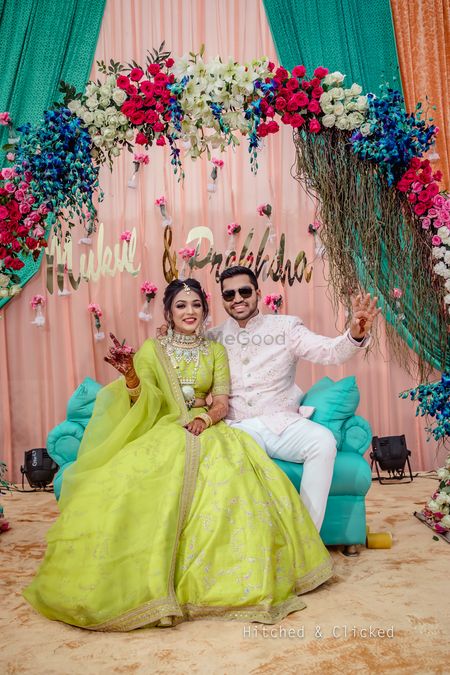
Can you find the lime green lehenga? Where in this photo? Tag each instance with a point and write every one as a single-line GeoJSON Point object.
{"type": "Point", "coordinates": [159, 526]}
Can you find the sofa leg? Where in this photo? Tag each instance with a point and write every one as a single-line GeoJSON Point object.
{"type": "Point", "coordinates": [350, 551]}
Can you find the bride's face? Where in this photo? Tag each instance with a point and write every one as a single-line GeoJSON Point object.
{"type": "Point", "coordinates": [187, 312]}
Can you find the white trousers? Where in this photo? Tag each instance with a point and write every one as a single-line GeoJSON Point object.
{"type": "Point", "coordinates": [307, 443]}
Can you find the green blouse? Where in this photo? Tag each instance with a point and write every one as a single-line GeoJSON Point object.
{"type": "Point", "coordinates": [213, 375]}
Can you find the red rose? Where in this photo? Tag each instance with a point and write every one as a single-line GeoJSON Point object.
{"type": "Point", "coordinates": [263, 105]}
{"type": "Point", "coordinates": [320, 72]}
{"type": "Point", "coordinates": [317, 92]}
{"type": "Point", "coordinates": [306, 84]}
{"type": "Point", "coordinates": [141, 139]}
{"type": "Point", "coordinates": [137, 117]}
{"type": "Point", "coordinates": [161, 141]}
{"type": "Point", "coordinates": [314, 126]}
{"type": "Point", "coordinates": [263, 130]}
{"type": "Point", "coordinates": [314, 82]}
{"type": "Point", "coordinates": [31, 243]}
{"type": "Point", "coordinates": [412, 197]}
{"type": "Point", "coordinates": [419, 209]}
{"type": "Point", "coordinates": [297, 121]}
{"type": "Point", "coordinates": [159, 107]}
{"type": "Point", "coordinates": [409, 175]}
{"type": "Point", "coordinates": [136, 74]}
{"type": "Point", "coordinates": [16, 264]}
{"type": "Point", "coordinates": [273, 127]}
{"type": "Point", "coordinates": [280, 103]}
{"type": "Point", "coordinates": [437, 175]}
{"type": "Point", "coordinates": [425, 163]}
{"type": "Point", "coordinates": [301, 99]}
{"type": "Point", "coordinates": [159, 89]}
{"type": "Point", "coordinates": [3, 212]}
{"type": "Point", "coordinates": [22, 230]}
{"type": "Point", "coordinates": [154, 68]}
{"type": "Point", "coordinates": [433, 189]}
{"type": "Point", "coordinates": [16, 246]}
{"type": "Point", "coordinates": [314, 106]}
{"type": "Point", "coordinates": [128, 108]}
{"type": "Point", "coordinates": [292, 84]}
{"type": "Point", "coordinates": [403, 186]}
{"type": "Point", "coordinates": [123, 82]}
{"type": "Point", "coordinates": [169, 63]}
{"type": "Point", "coordinates": [159, 126]}
{"type": "Point", "coordinates": [160, 78]}
{"type": "Point", "coordinates": [171, 78]}
{"type": "Point", "coordinates": [423, 178]}
{"type": "Point", "coordinates": [292, 105]}
{"type": "Point", "coordinates": [149, 101]}
{"type": "Point", "coordinates": [281, 73]}
{"type": "Point", "coordinates": [286, 118]}
{"type": "Point", "coordinates": [3, 252]}
{"type": "Point", "coordinates": [270, 66]}
{"type": "Point", "coordinates": [147, 87]}
{"type": "Point", "coordinates": [138, 102]}
{"type": "Point", "coordinates": [299, 71]}
{"type": "Point", "coordinates": [414, 163]}
{"type": "Point", "coordinates": [131, 90]}
{"type": "Point", "coordinates": [151, 117]}
{"type": "Point", "coordinates": [270, 112]}
{"type": "Point", "coordinates": [43, 243]}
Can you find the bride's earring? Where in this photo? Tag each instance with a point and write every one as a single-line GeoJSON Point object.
{"type": "Point", "coordinates": [170, 329]}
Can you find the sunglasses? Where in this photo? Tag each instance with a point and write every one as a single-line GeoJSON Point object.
{"type": "Point", "coordinates": [244, 292]}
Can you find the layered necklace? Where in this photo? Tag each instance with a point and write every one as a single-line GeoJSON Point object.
{"type": "Point", "coordinates": [180, 347]}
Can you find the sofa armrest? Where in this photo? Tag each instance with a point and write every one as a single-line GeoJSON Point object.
{"type": "Point", "coordinates": [63, 442]}
{"type": "Point", "coordinates": [356, 435]}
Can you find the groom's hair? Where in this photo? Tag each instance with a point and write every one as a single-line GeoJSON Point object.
{"type": "Point", "coordinates": [239, 269]}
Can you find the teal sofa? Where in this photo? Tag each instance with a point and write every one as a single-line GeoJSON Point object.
{"type": "Point", "coordinates": [335, 404]}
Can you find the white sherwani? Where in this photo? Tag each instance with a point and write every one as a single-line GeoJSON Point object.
{"type": "Point", "coordinates": [264, 399]}
{"type": "Point", "coordinates": [263, 358]}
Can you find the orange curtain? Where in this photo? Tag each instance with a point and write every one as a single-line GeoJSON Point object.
{"type": "Point", "coordinates": [422, 31]}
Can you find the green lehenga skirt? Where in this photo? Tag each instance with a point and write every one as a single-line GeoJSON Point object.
{"type": "Point", "coordinates": [159, 526]}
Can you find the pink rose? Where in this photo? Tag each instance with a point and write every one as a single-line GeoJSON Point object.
{"type": "Point", "coordinates": [10, 187]}
{"type": "Point", "coordinates": [10, 156]}
{"type": "Point", "coordinates": [416, 186]}
{"type": "Point", "coordinates": [5, 118]}
{"type": "Point", "coordinates": [125, 236]}
{"type": "Point", "coordinates": [24, 208]}
{"type": "Point", "coordinates": [438, 200]}
{"type": "Point", "coordinates": [38, 231]}
{"type": "Point", "coordinates": [397, 293]}
{"type": "Point", "coordinates": [432, 213]}
{"type": "Point", "coordinates": [161, 201]}
{"type": "Point", "coordinates": [426, 222]}
{"type": "Point", "coordinates": [436, 240]}
{"type": "Point", "coordinates": [7, 173]}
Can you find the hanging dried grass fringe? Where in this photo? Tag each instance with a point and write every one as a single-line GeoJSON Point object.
{"type": "Point", "coordinates": [372, 240]}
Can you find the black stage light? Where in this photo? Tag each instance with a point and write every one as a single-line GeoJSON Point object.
{"type": "Point", "coordinates": [391, 454]}
{"type": "Point", "coordinates": [39, 468]}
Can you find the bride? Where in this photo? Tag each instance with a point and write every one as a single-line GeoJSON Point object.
{"type": "Point", "coordinates": [169, 514]}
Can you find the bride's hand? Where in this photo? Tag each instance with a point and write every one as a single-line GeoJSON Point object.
{"type": "Point", "coordinates": [120, 356]}
{"type": "Point", "coordinates": [196, 427]}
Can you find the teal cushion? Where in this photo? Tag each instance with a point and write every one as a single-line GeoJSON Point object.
{"type": "Point", "coordinates": [81, 403]}
{"type": "Point", "coordinates": [334, 403]}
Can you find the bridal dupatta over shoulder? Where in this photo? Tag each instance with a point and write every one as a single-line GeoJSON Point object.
{"type": "Point", "coordinates": [158, 525]}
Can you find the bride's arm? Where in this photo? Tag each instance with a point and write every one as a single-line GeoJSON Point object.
{"type": "Point", "coordinates": [217, 412]}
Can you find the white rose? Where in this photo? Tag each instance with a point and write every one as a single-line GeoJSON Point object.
{"type": "Point", "coordinates": [446, 274]}
{"type": "Point", "coordinates": [355, 89]}
{"type": "Point", "coordinates": [113, 121]}
{"type": "Point", "coordinates": [99, 118]}
{"type": "Point", "coordinates": [438, 252]}
{"type": "Point", "coordinates": [433, 506]}
{"type": "Point", "coordinates": [14, 290]}
{"type": "Point", "coordinates": [440, 268]}
{"type": "Point", "coordinates": [119, 96]}
{"type": "Point", "coordinates": [447, 257]}
{"type": "Point", "coordinates": [333, 78]}
{"type": "Point", "coordinates": [325, 97]}
{"type": "Point", "coordinates": [98, 140]}
{"type": "Point", "coordinates": [88, 117]}
{"type": "Point", "coordinates": [441, 499]}
{"type": "Point", "coordinates": [443, 232]}
{"type": "Point", "coordinates": [361, 103]}
{"type": "Point", "coordinates": [74, 106]}
{"type": "Point", "coordinates": [328, 108]}
{"type": "Point", "coordinates": [105, 101]}
{"type": "Point", "coordinates": [111, 81]}
{"type": "Point", "coordinates": [92, 130]}
{"type": "Point", "coordinates": [109, 134]}
{"type": "Point", "coordinates": [443, 473]}
{"type": "Point", "coordinates": [115, 151]}
{"type": "Point", "coordinates": [338, 109]}
{"type": "Point", "coordinates": [4, 293]}
{"type": "Point", "coordinates": [123, 119]}
{"type": "Point", "coordinates": [337, 93]}
{"type": "Point", "coordinates": [355, 119]}
{"type": "Point", "coordinates": [129, 134]}
{"type": "Point", "coordinates": [328, 120]}
{"type": "Point", "coordinates": [342, 123]}
{"type": "Point", "coordinates": [105, 91]}
{"type": "Point", "coordinates": [445, 522]}
{"type": "Point", "coordinates": [91, 89]}
{"type": "Point", "coordinates": [92, 102]}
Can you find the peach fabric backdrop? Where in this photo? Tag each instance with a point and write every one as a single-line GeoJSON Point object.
{"type": "Point", "coordinates": [41, 367]}
{"type": "Point", "coordinates": [422, 33]}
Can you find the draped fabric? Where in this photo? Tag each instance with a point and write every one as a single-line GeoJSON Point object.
{"type": "Point", "coordinates": [354, 37]}
{"type": "Point", "coordinates": [41, 43]}
{"type": "Point", "coordinates": [422, 32]}
{"type": "Point", "coordinates": [41, 367]}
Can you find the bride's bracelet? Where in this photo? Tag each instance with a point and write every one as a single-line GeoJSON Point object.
{"type": "Point", "coordinates": [134, 391]}
{"type": "Point", "coordinates": [205, 418]}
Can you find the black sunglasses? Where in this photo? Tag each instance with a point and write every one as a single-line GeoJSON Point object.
{"type": "Point", "coordinates": [244, 292]}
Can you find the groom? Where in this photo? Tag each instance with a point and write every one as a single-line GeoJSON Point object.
{"type": "Point", "coordinates": [263, 352]}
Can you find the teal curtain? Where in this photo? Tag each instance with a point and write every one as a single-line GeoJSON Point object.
{"type": "Point", "coordinates": [41, 43]}
{"type": "Point", "coordinates": [355, 37]}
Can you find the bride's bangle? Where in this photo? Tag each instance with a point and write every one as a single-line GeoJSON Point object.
{"type": "Point", "coordinates": [205, 418]}
{"type": "Point", "coordinates": [135, 392]}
